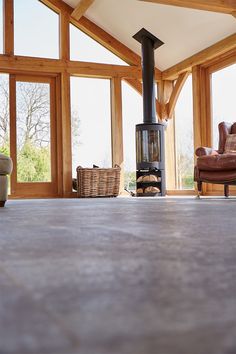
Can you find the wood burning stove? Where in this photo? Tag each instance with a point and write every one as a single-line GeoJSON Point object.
{"type": "Point", "coordinates": [150, 163]}
{"type": "Point", "coordinates": [150, 160]}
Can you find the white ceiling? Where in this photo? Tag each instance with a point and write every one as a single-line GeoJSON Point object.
{"type": "Point", "coordinates": [184, 31]}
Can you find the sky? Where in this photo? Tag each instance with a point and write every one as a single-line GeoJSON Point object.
{"type": "Point", "coordinates": [90, 97]}
{"type": "Point", "coordinates": [223, 99]}
{"type": "Point", "coordinates": [37, 35]}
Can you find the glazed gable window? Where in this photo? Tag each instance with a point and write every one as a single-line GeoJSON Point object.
{"type": "Point", "coordinates": [84, 48]}
{"type": "Point", "coordinates": [36, 35]}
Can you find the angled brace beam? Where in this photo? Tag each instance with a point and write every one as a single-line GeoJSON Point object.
{"type": "Point", "coordinates": [81, 8]}
{"type": "Point", "coordinates": [175, 93]}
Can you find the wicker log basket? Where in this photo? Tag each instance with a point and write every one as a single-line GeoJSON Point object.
{"type": "Point", "coordinates": [98, 182]}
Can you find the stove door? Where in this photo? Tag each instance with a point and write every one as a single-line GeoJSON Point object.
{"type": "Point", "coordinates": [149, 146]}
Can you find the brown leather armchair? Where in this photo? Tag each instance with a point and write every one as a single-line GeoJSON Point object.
{"type": "Point", "coordinates": [216, 166]}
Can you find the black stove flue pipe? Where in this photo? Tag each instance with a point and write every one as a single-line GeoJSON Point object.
{"type": "Point", "coordinates": [149, 43]}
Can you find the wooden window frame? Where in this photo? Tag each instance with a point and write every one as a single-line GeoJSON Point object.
{"type": "Point", "coordinates": [44, 189]}
{"type": "Point", "coordinates": [61, 69]}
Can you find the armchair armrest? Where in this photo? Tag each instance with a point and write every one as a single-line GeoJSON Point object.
{"type": "Point", "coordinates": [204, 151]}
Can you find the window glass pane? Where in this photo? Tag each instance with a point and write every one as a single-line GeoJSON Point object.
{"type": "Point", "coordinates": [84, 48]}
{"type": "Point", "coordinates": [132, 110]}
{"type": "Point", "coordinates": [223, 99]}
{"type": "Point", "coordinates": [36, 29]}
{"type": "Point", "coordinates": [4, 115]}
{"type": "Point", "coordinates": [1, 26]}
{"type": "Point", "coordinates": [91, 122]}
{"type": "Point", "coordinates": [184, 138]}
{"type": "Point", "coordinates": [33, 132]}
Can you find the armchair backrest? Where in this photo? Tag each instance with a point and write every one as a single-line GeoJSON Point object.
{"type": "Point", "coordinates": [224, 130]}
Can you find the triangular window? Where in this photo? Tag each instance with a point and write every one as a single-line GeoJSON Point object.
{"type": "Point", "coordinates": [36, 29]}
{"type": "Point", "coordinates": [84, 48]}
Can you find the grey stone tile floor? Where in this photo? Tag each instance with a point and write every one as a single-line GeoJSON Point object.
{"type": "Point", "coordinates": [118, 276]}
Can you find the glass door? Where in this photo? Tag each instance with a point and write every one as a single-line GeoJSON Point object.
{"type": "Point", "coordinates": [33, 136]}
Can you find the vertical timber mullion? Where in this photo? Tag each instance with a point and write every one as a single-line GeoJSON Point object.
{"type": "Point", "coordinates": [197, 103]}
{"type": "Point", "coordinates": [117, 129]}
{"type": "Point", "coordinates": [58, 109]}
{"type": "Point", "coordinates": [64, 35]}
{"type": "Point", "coordinates": [64, 83]}
{"type": "Point", "coordinates": [13, 137]}
{"type": "Point", "coordinates": [197, 123]}
{"type": "Point", "coordinates": [8, 25]}
{"type": "Point", "coordinates": [201, 97]}
{"type": "Point", "coordinates": [208, 109]}
{"type": "Point", "coordinates": [66, 135]}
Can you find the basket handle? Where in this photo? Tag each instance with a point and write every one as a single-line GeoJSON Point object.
{"type": "Point", "coordinates": [117, 166]}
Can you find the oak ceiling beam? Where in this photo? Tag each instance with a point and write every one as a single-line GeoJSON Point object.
{"type": "Point", "coordinates": [22, 63]}
{"type": "Point", "coordinates": [209, 53]}
{"type": "Point", "coordinates": [44, 65]}
{"type": "Point", "coordinates": [81, 8]}
{"type": "Point", "coordinates": [103, 70]}
{"type": "Point", "coordinates": [226, 6]}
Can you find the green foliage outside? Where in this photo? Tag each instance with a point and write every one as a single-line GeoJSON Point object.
{"type": "Point", "coordinates": [33, 129]}
{"type": "Point", "coordinates": [187, 182]}
{"type": "Point", "coordinates": [130, 181]}
{"type": "Point", "coordinates": [185, 171]}
{"type": "Point", "coordinates": [33, 164]}
{"type": "Point", "coordinates": [4, 149]}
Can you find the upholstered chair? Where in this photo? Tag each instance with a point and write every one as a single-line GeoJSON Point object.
{"type": "Point", "coordinates": [5, 169]}
{"type": "Point", "coordinates": [218, 166]}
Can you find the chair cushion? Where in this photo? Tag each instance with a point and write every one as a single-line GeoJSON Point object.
{"type": "Point", "coordinates": [230, 144]}
{"type": "Point", "coordinates": [5, 165]}
{"type": "Point", "coordinates": [222, 162]}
